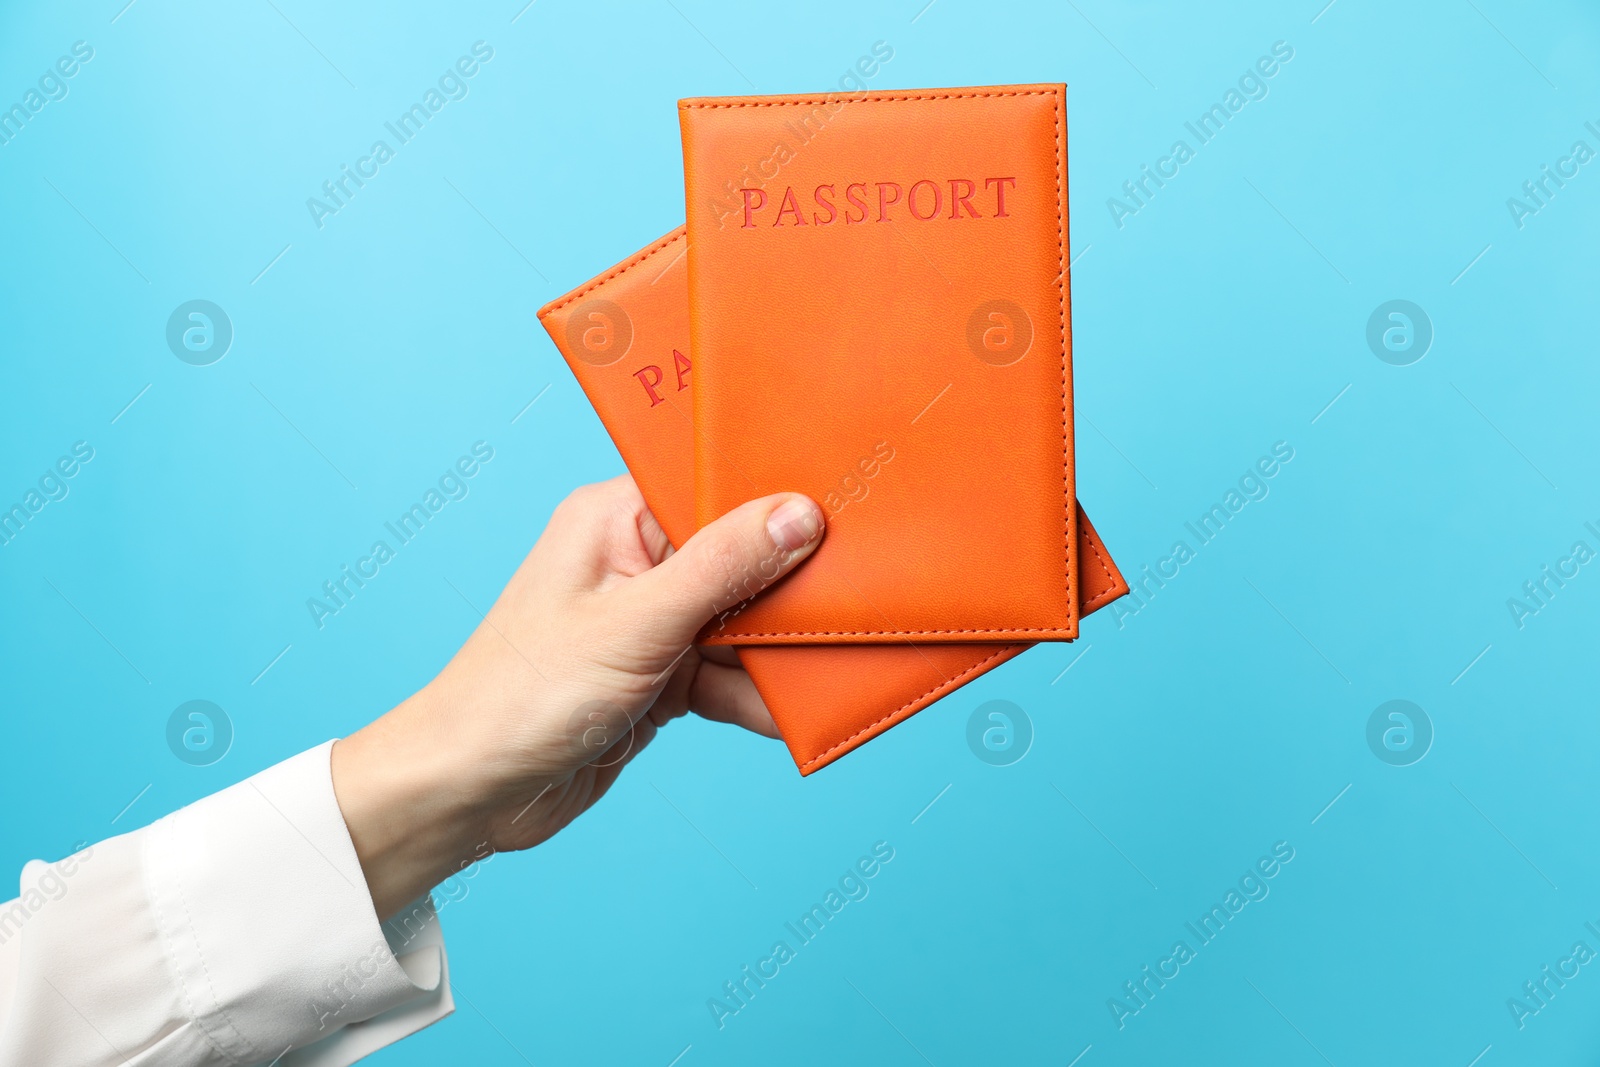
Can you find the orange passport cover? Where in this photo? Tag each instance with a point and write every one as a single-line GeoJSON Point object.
{"type": "Point", "coordinates": [899, 284]}
{"type": "Point", "coordinates": [625, 336]}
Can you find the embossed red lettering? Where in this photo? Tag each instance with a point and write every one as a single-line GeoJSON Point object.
{"type": "Point", "coordinates": [817, 196]}
{"type": "Point", "coordinates": [911, 200]}
{"type": "Point", "coordinates": [854, 197]}
{"type": "Point", "coordinates": [961, 196]}
{"type": "Point", "coordinates": [999, 194]}
{"type": "Point", "coordinates": [924, 199]}
{"type": "Point", "coordinates": [650, 377]}
{"type": "Point", "coordinates": [789, 206]}
{"type": "Point", "coordinates": [754, 200]}
{"type": "Point", "coordinates": [884, 200]}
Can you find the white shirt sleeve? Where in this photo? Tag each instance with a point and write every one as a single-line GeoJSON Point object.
{"type": "Point", "coordinates": [235, 932]}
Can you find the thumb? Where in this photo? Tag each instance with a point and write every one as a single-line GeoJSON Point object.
{"type": "Point", "coordinates": [728, 561]}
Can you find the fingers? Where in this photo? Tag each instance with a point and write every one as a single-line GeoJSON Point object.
{"type": "Point", "coordinates": [726, 694]}
{"type": "Point", "coordinates": [597, 530]}
{"type": "Point", "coordinates": [729, 560]}
{"type": "Point", "coordinates": [721, 694]}
{"type": "Point", "coordinates": [723, 654]}
{"type": "Point", "coordinates": [654, 537]}
{"type": "Point", "coordinates": [712, 690]}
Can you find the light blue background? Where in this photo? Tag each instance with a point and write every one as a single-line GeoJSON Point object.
{"type": "Point", "coordinates": [1222, 318]}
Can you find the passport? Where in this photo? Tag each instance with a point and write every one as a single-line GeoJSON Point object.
{"type": "Point", "coordinates": [898, 288]}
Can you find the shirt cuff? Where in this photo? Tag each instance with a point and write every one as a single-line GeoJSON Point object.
{"type": "Point", "coordinates": [267, 921]}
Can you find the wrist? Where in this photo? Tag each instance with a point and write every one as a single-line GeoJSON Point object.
{"type": "Point", "coordinates": [410, 802]}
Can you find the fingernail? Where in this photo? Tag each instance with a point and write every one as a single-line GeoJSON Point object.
{"type": "Point", "coordinates": [794, 524]}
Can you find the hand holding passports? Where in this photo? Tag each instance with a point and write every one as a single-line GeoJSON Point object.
{"type": "Point", "coordinates": [884, 326]}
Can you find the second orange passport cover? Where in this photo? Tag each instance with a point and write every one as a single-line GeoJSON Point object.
{"type": "Point", "coordinates": [897, 284]}
{"type": "Point", "coordinates": [625, 336]}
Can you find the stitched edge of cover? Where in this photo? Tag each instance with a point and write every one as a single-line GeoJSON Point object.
{"type": "Point", "coordinates": [952, 683]}
{"type": "Point", "coordinates": [794, 101]}
{"type": "Point", "coordinates": [1094, 602]}
{"type": "Point", "coordinates": [1068, 477]}
{"type": "Point", "coordinates": [1116, 579]}
{"type": "Point", "coordinates": [1070, 499]}
{"type": "Point", "coordinates": [906, 710]}
{"type": "Point", "coordinates": [1005, 634]}
{"type": "Point", "coordinates": [615, 272]}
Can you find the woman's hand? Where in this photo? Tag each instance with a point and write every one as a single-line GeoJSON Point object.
{"type": "Point", "coordinates": [588, 652]}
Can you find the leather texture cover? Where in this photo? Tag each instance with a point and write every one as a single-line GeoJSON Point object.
{"type": "Point", "coordinates": [625, 336]}
{"type": "Point", "coordinates": [899, 286]}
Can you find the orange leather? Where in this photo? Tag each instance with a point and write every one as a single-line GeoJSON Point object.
{"type": "Point", "coordinates": [898, 288]}
{"type": "Point", "coordinates": [624, 335]}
